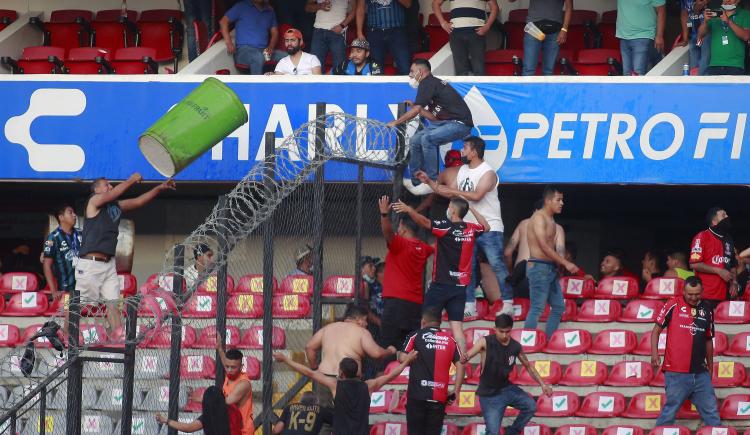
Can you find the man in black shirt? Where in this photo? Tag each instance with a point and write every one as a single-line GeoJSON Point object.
{"type": "Point", "coordinates": [499, 354]}
{"type": "Point", "coordinates": [449, 116]}
{"type": "Point", "coordinates": [303, 418]}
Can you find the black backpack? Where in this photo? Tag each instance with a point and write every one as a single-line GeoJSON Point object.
{"type": "Point", "coordinates": [49, 331]}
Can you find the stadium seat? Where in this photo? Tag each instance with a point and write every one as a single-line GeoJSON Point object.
{"type": "Point", "coordinates": [476, 429]}
{"type": "Point", "coordinates": [599, 310]}
{"type": "Point", "coordinates": [669, 430]}
{"type": "Point", "coordinates": [617, 287]}
{"type": "Point", "coordinates": [503, 62]}
{"type": "Point", "coordinates": [207, 337]}
{"type": "Point", "coordinates": [9, 335]}
{"type": "Point", "coordinates": [26, 304]}
{"type": "Point", "coordinates": [161, 338]}
{"type": "Point", "coordinates": [253, 283]}
{"type": "Point", "coordinates": [472, 374]}
{"type": "Point", "coordinates": [203, 306]}
{"type": "Point", "coordinates": [388, 428]}
{"type": "Point", "coordinates": [720, 342]}
{"type": "Point", "coordinates": [584, 373]}
{"type": "Point", "coordinates": [96, 423]}
{"type": "Point", "coordinates": [135, 60]}
{"type": "Point", "coordinates": [401, 379]}
{"type": "Point", "coordinates": [560, 404]}
{"type": "Point", "coordinates": [245, 306]}
{"type": "Point", "coordinates": [689, 411]}
{"type": "Point", "coordinates": [716, 430]}
{"type": "Point", "coordinates": [614, 342]}
{"type": "Point", "coordinates": [112, 32]}
{"type": "Point", "coordinates": [54, 424]}
{"type": "Point", "coordinates": [532, 340]}
{"type": "Point", "coordinates": [644, 344]}
{"type": "Point", "coordinates": [52, 308]}
{"type": "Point", "coordinates": [157, 399]}
{"type": "Point", "coordinates": [149, 366]}
{"type": "Point", "coordinates": [13, 282]}
{"type": "Point", "coordinates": [68, 28]}
{"type": "Point", "coordinates": [157, 304]}
{"type": "Point", "coordinates": [569, 314]}
{"type": "Point", "coordinates": [209, 285]}
{"type": "Point", "coordinates": [195, 400]}
{"type": "Point", "coordinates": [91, 334]}
{"type": "Point", "coordinates": [728, 374]}
{"type": "Point", "coordinates": [740, 345]}
{"type": "Point", "coordinates": [483, 310]}
{"type": "Point", "coordinates": [569, 341]}
{"type": "Point", "coordinates": [297, 284]}
{"type": "Point", "coordinates": [580, 30]}
{"type": "Point", "coordinates": [251, 367]}
{"type": "Point", "coordinates": [641, 311]}
{"type": "Point", "coordinates": [549, 370]}
{"type": "Point", "coordinates": [197, 367]}
{"type": "Point", "coordinates": [426, 55]}
{"type": "Point", "coordinates": [291, 306]}
{"type": "Point", "coordinates": [644, 405]}
{"type": "Point", "coordinates": [473, 335]}
{"type": "Point", "coordinates": [162, 281]}
{"type": "Point", "coordinates": [437, 36]}
{"type": "Point", "coordinates": [128, 282]}
{"type": "Point", "coordinates": [400, 407]}
{"type": "Point", "coordinates": [630, 374]}
{"type": "Point", "coordinates": [141, 424]}
{"type": "Point", "coordinates": [339, 286]}
{"type": "Point", "coordinates": [6, 18]}
{"type": "Point", "coordinates": [162, 30]}
{"type": "Point", "coordinates": [734, 312]}
{"type": "Point", "coordinates": [103, 369]}
{"type": "Point", "coordinates": [574, 288]}
{"type": "Point", "coordinates": [623, 430]}
{"type": "Point", "coordinates": [382, 401]}
{"type": "Point", "coordinates": [735, 407]}
{"type": "Point", "coordinates": [602, 405]}
{"type": "Point", "coordinates": [110, 399]}
{"type": "Point", "coordinates": [466, 404]}
{"type": "Point", "coordinates": [513, 28]}
{"type": "Point", "coordinates": [520, 309]}
{"type": "Point", "coordinates": [663, 288]}
{"type": "Point", "coordinates": [607, 31]}
{"type": "Point", "coordinates": [576, 429]}
{"type": "Point", "coordinates": [252, 338]}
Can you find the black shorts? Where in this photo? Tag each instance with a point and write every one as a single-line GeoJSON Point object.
{"type": "Point", "coordinates": [448, 297]}
{"type": "Point", "coordinates": [400, 318]}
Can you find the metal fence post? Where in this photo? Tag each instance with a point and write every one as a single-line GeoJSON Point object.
{"type": "Point", "coordinates": [221, 291]}
{"type": "Point", "coordinates": [43, 411]}
{"type": "Point", "coordinates": [398, 176]}
{"type": "Point", "coordinates": [267, 364]}
{"type": "Point", "coordinates": [175, 351]}
{"type": "Point", "coordinates": [318, 199]}
{"type": "Point", "coordinates": [75, 372]}
{"type": "Point", "coordinates": [358, 241]}
{"type": "Point", "coordinates": [128, 370]}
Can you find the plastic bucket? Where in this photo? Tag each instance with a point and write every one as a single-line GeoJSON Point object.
{"type": "Point", "coordinates": [206, 116]}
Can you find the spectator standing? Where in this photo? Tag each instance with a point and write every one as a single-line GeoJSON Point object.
{"type": "Point", "coordinates": [677, 266]}
{"type": "Point", "coordinates": [449, 116]}
{"type": "Point", "coordinates": [217, 418]}
{"type": "Point", "coordinates": [197, 10]}
{"type": "Point", "coordinates": [549, 17]}
{"type": "Point", "coordinates": [730, 33]}
{"type": "Point", "coordinates": [255, 30]}
{"type": "Point", "coordinates": [332, 17]}
{"type": "Point", "coordinates": [303, 418]}
{"type": "Point", "coordinates": [195, 273]}
{"type": "Point", "coordinates": [688, 359]}
{"type": "Point", "coordinates": [238, 388]}
{"type": "Point", "coordinates": [468, 24]}
{"type": "Point", "coordinates": [499, 353]}
{"type": "Point", "coordinates": [712, 258]}
{"type": "Point", "coordinates": [297, 62]}
{"type": "Point", "coordinates": [303, 261]}
{"type": "Point", "coordinates": [438, 204]}
{"type": "Point", "coordinates": [541, 267]}
{"type": "Point", "coordinates": [60, 253]}
{"type": "Point", "coordinates": [96, 274]}
{"type": "Point", "coordinates": [640, 27]}
{"type": "Point", "coordinates": [429, 375]}
{"type": "Point", "coordinates": [386, 31]}
{"type": "Point", "coordinates": [359, 63]}
{"type": "Point", "coordinates": [691, 18]}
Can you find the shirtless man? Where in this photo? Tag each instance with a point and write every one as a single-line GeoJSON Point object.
{"type": "Point", "coordinates": [541, 268]}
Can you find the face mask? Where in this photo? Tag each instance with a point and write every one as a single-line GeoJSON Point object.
{"type": "Point", "coordinates": [413, 82]}
{"type": "Point", "coordinates": [723, 227]}
{"type": "Point", "coordinates": [292, 50]}
{"type": "Point", "coordinates": [233, 377]}
{"type": "Point", "coordinates": [464, 160]}
{"type": "Point", "coordinates": [448, 214]}
{"type": "Point", "coordinates": [729, 7]}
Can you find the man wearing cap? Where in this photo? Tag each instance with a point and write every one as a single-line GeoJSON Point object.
{"type": "Point", "coordinates": [332, 17]}
{"type": "Point", "coordinates": [255, 31]}
{"type": "Point", "coordinates": [298, 62]}
{"type": "Point", "coordinates": [359, 63]}
{"type": "Point", "coordinates": [303, 260]}
{"type": "Point", "coordinates": [194, 273]}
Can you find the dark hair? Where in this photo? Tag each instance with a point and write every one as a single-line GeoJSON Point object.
{"type": "Point", "coordinates": [60, 209]}
{"type": "Point", "coordinates": [711, 214]}
{"type": "Point", "coordinates": [380, 266]}
{"type": "Point", "coordinates": [550, 191]}
{"type": "Point", "coordinates": [461, 205]}
{"type": "Point", "coordinates": [679, 256]}
{"type": "Point", "coordinates": [503, 321]}
{"type": "Point", "coordinates": [349, 368]}
{"type": "Point", "coordinates": [431, 315]}
{"type": "Point", "coordinates": [308, 398]}
{"type": "Point", "coordinates": [572, 247]}
{"type": "Point", "coordinates": [693, 281]}
{"type": "Point", "coordinates": [618, 254]}
{"type": "Point", "coordinates": [659, 258]}
{"type": "Point", "coordinates": [234, 354]}
{"type": "Point", "coordinates": [409, 223]}
{"type": "Point", "coordinates": [355, 311]}
{"type": "Point", "coordinates": [200, 249]}
{"type": "Point", "coordinates": [423, 63]}
{"type": "Point", "coordinates": [477, 144]}
{"type": "Point", "coordinates": [95, 183]}
{"type": "Point", "coordinates": [538, 205]}
{"type": "Point", "coordinates": [215, 417]}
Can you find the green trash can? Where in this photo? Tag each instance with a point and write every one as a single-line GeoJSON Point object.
{"type": "Point", "coordinates": [201, 120]}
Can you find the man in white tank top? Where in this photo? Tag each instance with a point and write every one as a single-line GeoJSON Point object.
{"type": "Point", "coordinates": [477, 182]}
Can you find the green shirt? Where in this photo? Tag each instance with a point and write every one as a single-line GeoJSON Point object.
{"type": "Point", "coordinates": [636, 19]}
{"type": "Point", "coordinates": [733, 52]}
{"type": "Point", "coordinates": [683, 273]}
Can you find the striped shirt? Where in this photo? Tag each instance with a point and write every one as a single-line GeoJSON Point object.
{"type": "Point", "coordinates": [62, 248]}
{"type": "Point", "coordinates": [468, 13]}
{"type": "Point", "coordinates": [385, 14]}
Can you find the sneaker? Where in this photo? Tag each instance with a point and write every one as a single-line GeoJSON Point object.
{"type": "Point", "coordinates": [419, 189]}
{"type": "Point", "coordinates": [470, 311]}
{"type": "Point", "coordinates": [507, 309]}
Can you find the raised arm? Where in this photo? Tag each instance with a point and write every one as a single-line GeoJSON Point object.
{"type": "Point", "coordinates": [377, 383]}
{"type": "Point", "coordinates": [308, 372]}
{"type": "Point", "coordinates": [420, 220]}
{"type": "Point", "coordinates": [312, 347]}
{"type": "Point", "coordinates": [481, 219]}
{"type": "Point", "coordinates": [546, 389]}
{"type": "Point", "coordinates": [384, 205]}
{"type": "Point", "coordinates": [479, 346]}
{"type": "Point", "coordinates": [140, 201]}
{"type": "Point", "coordinates": [100, 199]}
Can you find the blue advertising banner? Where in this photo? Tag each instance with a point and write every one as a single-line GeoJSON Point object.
{"type": "Point", "coordinates": [536, 132]}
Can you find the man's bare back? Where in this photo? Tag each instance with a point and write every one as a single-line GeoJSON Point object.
{"type": "Point", "coordinates": [542, 231]}
{"type": "Point", "coordinates": [341, 340]}
{"type": "Point", "coordinates": [523, 241]}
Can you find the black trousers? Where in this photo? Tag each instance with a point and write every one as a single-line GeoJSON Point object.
{"type": "Point", "coordinates": [424, 418]}
{"type": "Point", "coordinates": [468, 52]}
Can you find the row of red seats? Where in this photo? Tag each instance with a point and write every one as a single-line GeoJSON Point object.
{"type": "Point", "coordinates": [13, 282]}
{"type": "Point", "coordinates": [607, 342]}
{"type": "Point", "coordinates": [204, 367]}
{"type": "Point", "coordinates": [247, 306]}
{"type": "Point", "coordinates": [585, 62]}
{"type": "Point", "coordinates": [6, 18]}
{"type": "Point", "coordinates": [399, 428]}
{"type": "Point", "coordinates": [83, 60]}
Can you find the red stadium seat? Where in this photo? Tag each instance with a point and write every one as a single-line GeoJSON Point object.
{"type": "Point", "coordinates": [2, 305]}
{"type": "Point", "coordinates": [688, 411]}
{"type": "Point", "coordinates": [473, 335]}
{"type": "Point", "coordinates": [66, 28]}
{"type": "Point", "coordinates": [112, 32]}
{"type": "Point", "coordinates": [483, 310]}
{"type": "Point", "coordinates": [735, 407]}
{"type": "Point", "coordinates": [161, 338]}
{"type": "Point", "coordinates": [568, 315]}
{"type": "Point", "coordinates": [645, 405]}
{"type": "Point", "coordinates": [644, 345]}
{"type": "Point", "coordinates": [584, 373]}
{"type": "Point", "coordinates": [466, 404]}
{"type": "Point", "coordinates": [252, 338]}
{"type": "Point", "coordinates": [658, 379]}
{"type": "Point", "coordinates": [576, 429]}
{"type": "Point", "coordinates": [403, 378]}
{"type": "Point", "coordinates": [18, 282]}
{"type": "Point", "coordinates": [663, 288]}
{"type": "Point", "coordinates": [245, 306]}
{"type": "Point", "coordinates": [7, 17]}
{"type": "Point", "coordinates": [560, 404]}
{"type": "Point", "coordinates": [503, 62]}
{"type": "Point", "coordinates": [157, 304]}
{"type": "Point", "coordinates": [195, 400]}
{"type": "Point", "coordinates": [669, 430]}
{"type": "Point", "coordinates": [134, 60]}
{"type": "Point", "coordinates": [207, 338]}
{"type": "Point", "coordinates": [513, 28]}
{"type": "Point", "coordinates": [388, 428]}
{"type": "Point", "coordinates": [40, 342]}
{"type": "Point", "coordinates": [438, 36]}
{"type": "Point", "coordinates": [734, 312]}
{"type": "Point", "coordinates": [253, 283]}
{"type": "Point", "coordinates": [197, 367]}
{"type": "Point", "coordinates": [128, 283]}
{"type": "Point", "coordinates": [630, 374]}
{"type": "Point", "coordinates": [291, 306]}
{"type": "Point", "coordinates": [297, 284]}
{"type": "Point", "coordinates": [599, 310]}
{"type": "Point", "coordinates": [203, 306]}
{"type": "Point", "coordinates": [614, 342]}
{"type": "Point", "coordinates": [162, 30]}
{"type": "Point", "coordinates": [641, 311]}
{"type": "Point", "coordinates": [476, 429]}
{"type": "Point", "coordinates": [251, 366]}
{"type": "Point", "coordinates": [728, 374]}
{"type": "Point", "coordinates": [92, 334]}
{"type": "Point", "coordinates": [162, 281]}
{"type": "Point", "coordinates": [716, 430]}
{"type": "Point", "coordinates": [382, 401]}
{"type": "Point", "coordinates": [623, 430]}
{"type": "Point", "coordinates": [426, 55]}
{"type": "Point", "coordinates": [400, 407]}
{"type": "Point", "coordinates": [740, 345]}
{"type": "Point", "coordinates": [602, 405]}
{"type": "Point", "coordinates": [9, 335]}
{"type": "Point", "coordinates": [532, 340]}
{"type": "Point", "coordinates": [209, 285]}
{"type": "Point", "coordinates": [549, 370]}
{"type": "Point", "coordinates": [520, 309]}
{"type": "Point", "coordinates": [474, 372]}
{"type": "Point", "coordinates": [580, 34]}
{"type": "Point", "coordinates": [720, 342]}
{"type": "Point", "coordinates": [26, 304]}
{"type": "Point", "coordinates": [616, 287]}
{"type": "Point", "coordinates": [574, 287]}
{"type": "Point", "coordinates": [569, 341]}
{"type": "Point", "coordinates": [517, 15]}
{"type": "Point", "coordinates": [339, 286]}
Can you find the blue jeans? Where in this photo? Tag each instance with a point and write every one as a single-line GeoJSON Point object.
{"type": "Point", "coordinates": [196, 10]}
{"type": "Point", "coordinates": [395, 41]}
{"type": "Point", "coordinates": [531, 49]}
{"type": "Point", "coordinates": [544, 287]}
{"type": "Point", "coordinates": [694, 386]}
{"type": "Point", "coordinates": [324, 41]}
{"type": "Point", "coordinates": [492, 245]}
{"type": "Point", "coordinates": [700, 56]}
{"type": "Point", "coordinates": [424, 146]}
{"type": "Point", "coordinates": [635, 55]}
{"type": "Point", "coordinates": [250, 56]}
{"type": "Point", "coordinates": [493, 409]}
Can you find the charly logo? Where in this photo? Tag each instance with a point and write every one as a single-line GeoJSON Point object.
{"type": "Point", "coordinates": [48, 157]}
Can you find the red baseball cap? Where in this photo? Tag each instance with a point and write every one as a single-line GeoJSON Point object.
{"type": "Point", "coordinates": [294, 33]}
{"type": "Point", "coordinates": [453, 158]}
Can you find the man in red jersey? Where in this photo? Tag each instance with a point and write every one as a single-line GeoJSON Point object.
{"type": "Point", "coordinates": [688, 359]}
{"type": "Point", "coordinates": [403, 292]}
{"type": "Point", "coordinates": [712, 258]}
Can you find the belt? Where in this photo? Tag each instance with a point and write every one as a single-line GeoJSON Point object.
{"type": "Point", "coordinates": [95, 258]}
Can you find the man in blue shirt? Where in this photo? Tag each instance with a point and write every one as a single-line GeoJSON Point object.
{"type": "Point", "coordinates": [255, 31]}
{"type": "Point", "coordinates": [386, 20]}
{"type": "Point", "coordinates": [359, 63]}
{"type": "Point", "coordinates": [60, 249]}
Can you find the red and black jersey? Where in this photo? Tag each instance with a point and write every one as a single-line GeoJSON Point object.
{"type": "Point", "coordinates": [688, 328]}
{"type": "Point", "coordinates": [429, 374]}
{"type": "Point", "coordinates": [454, 249]}
{"type": "Point", "coordinates": [717, 251]}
